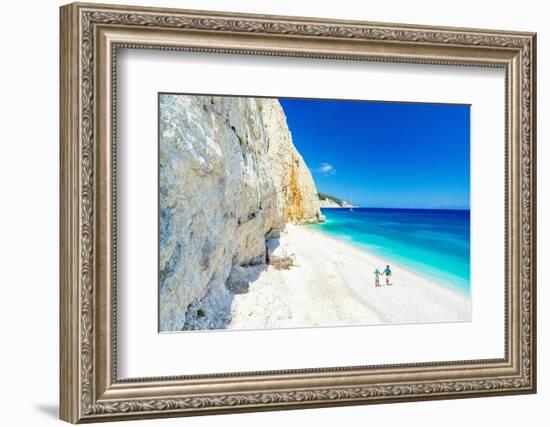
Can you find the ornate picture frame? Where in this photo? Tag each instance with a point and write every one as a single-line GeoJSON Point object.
{"type": "Point", "coordinates": [90, 37]}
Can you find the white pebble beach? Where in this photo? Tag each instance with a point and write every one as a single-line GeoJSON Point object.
{"type": "Point", "coordinates": [332, 284]}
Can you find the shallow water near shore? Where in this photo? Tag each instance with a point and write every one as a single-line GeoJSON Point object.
{"type": "Point", "coordinates": [432, 242]}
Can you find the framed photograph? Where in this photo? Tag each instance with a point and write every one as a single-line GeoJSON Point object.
{"type": "Point", "coordinates": [266, 212]}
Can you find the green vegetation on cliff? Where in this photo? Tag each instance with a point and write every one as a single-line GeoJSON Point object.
{"type": "Point", "coordinates": [324, 196]}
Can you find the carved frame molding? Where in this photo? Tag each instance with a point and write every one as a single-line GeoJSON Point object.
{"type": "Point", "coordinates": [90, 36]}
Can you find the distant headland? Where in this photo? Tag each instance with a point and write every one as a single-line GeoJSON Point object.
{"type": "Point", "coordinates": [329, 201]}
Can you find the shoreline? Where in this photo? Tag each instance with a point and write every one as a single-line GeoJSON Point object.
{"type": "Point", "coordinates": [392, 261]}
{"type": "Point", "coordinates": [332, 284]}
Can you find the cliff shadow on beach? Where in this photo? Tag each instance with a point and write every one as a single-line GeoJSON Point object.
{"type": "Point", "coordinates": [213, 311]}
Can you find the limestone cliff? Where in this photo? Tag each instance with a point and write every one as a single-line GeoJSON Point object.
{"type": "Point", "coordinates": [327, 203]}
{"type": "Point", "coordinates": [230, 177]}
{"type": "Point", "coordinates": [296, 192]}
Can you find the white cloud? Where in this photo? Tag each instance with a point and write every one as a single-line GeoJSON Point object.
{"type": "Point", "coordinates": [326, 169]}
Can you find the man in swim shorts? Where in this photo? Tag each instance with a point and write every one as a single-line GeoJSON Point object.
{"type": "Point", "coordinates": [387, 273]}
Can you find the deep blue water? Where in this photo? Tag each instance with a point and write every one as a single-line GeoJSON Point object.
{"type": "Point", "coordinates": [432, 242]}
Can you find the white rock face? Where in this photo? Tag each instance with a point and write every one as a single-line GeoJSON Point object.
{"type": "Point", "coordinates": [296, 194]}
{"type": "Point", "coordinates": [327, 203]}
{"type": "Point", "coordinates": [230, 177]}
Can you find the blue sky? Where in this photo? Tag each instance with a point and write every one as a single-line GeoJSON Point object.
{"type": "Point", "coordinates": [396, 155]}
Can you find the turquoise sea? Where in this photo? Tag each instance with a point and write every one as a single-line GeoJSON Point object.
{"type": "Point", "coordinates": [432, 242]}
